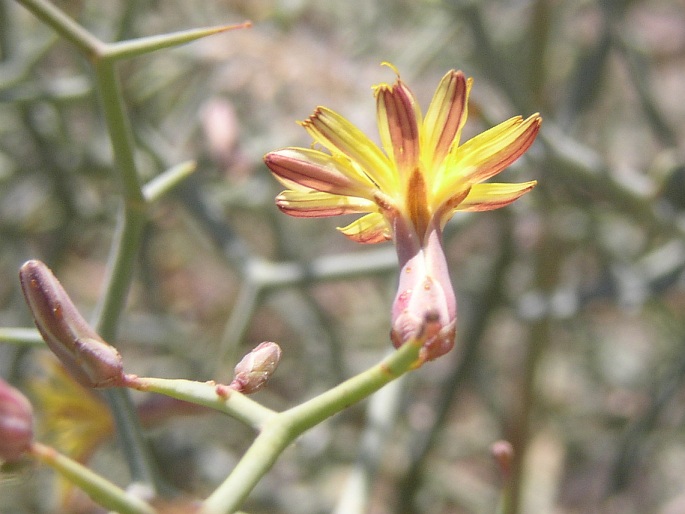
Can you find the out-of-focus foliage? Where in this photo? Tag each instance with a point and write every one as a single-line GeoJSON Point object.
{"type": "Point", "coordinates": [571, 339]}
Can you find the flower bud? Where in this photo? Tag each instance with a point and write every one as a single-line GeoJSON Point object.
{"type": "Point", "coordinates": [89, 359]}
{"type": "Point", "coordinates": [255, 369]}
{"type": "Point", "coordinates": [425, 306]}
{"type": "Point", "coordinates": [503, 452]}
{"type": "Point", "coordinates": [16, 423]}
{"type": "Point", "coordinates": [221, 127]}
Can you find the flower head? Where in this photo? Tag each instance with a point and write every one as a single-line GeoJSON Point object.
{"type": "Point", "coordinates": [407, 190]}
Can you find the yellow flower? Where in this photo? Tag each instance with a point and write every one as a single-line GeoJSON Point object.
{"type": "Point", "coordinates": [422, 172]}
{"type": "Point", "coordinates": [75, 419]}
{"type": "Point", "coordinates": [408, 190]}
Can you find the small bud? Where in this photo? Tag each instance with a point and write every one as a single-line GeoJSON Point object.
{"type": "Point", "coordinates": [503, 452]}
{"type": "Point", "coordinates": [16, 423]}
{"type": "Point", "coordinates": [255, 369]}
{"type": "Point", "coordinates": [90, 360]}
{"type": "Point", "coordinates": [220, 126]}
{"type": "Point", "coordinates": [221, 129]}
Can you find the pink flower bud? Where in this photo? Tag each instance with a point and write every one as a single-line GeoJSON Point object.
{"type": "Point", "coordinates": [255, 369]}
{"type": "Point", "coordinates": [220, 126]}
{"type": "Point", "coordinates": [89, 359]}
{"type": "Point", "coordinates": [425, 306]}
{"type": "Point", "coordinates": [503, 452]}
{"type": "Point", "coordinates": [16, 423]}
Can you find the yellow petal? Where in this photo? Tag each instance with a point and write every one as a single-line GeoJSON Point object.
{"type": "Point", "coordinates": [305, 169]}
{"type": "Point", "coordinates": [489, 153]}
{"type": "Point", "coordinates": [369, 229]}
{"type": "Point", "coordinates": [314, 204]}
{"type": "Point", "coordinates": [338, 135]}
{"type": "Point", "coordinates": [399, 119]}
{"type": "Point", "coordinates": [445, 117]}
{"type": "Point", "coordinates": [75, 420]}
{"type": "Point", "coordinates": [450, 205]}
{"type": "Point", "coordinates": [487, 197]}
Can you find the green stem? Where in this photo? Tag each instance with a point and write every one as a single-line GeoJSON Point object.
{"type": "Point", "coordinates": [130, 434]}
{"type": "Point", "coordinates": [145, 45]}
{"type": "Point", "coordinates": [282, 429]}
{"type": "Point", "coordinates": [132, 219]}
{"type": "Point", "coordinates": [311, 413]}
{"type": "Point", "coordinates": [120, 273]}
{"type": "Point", "coordinates": [167, 180]}
{"type": "Point", "coordinates": [112, 304]}
{"type": "Point", "coordinates": [107, 83]}
{"type": "Point", "coordinates": [102, 491]}
{"type": "Point", "coordinates": [21, 336]}
{"type": "Point", "coordinates": [64, 26]}
{"type": "Point", "coordinates": [249, 295]}
{"type": "Point", "coordinates": [133, 212]}
{"type": "Point", "coordinates": [132, 222]}
{"type": "Point", "coordinates": [209, 394]}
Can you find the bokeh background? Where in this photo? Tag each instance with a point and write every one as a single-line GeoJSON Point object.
{"type": "Point", "coordinates": [571, 340]}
